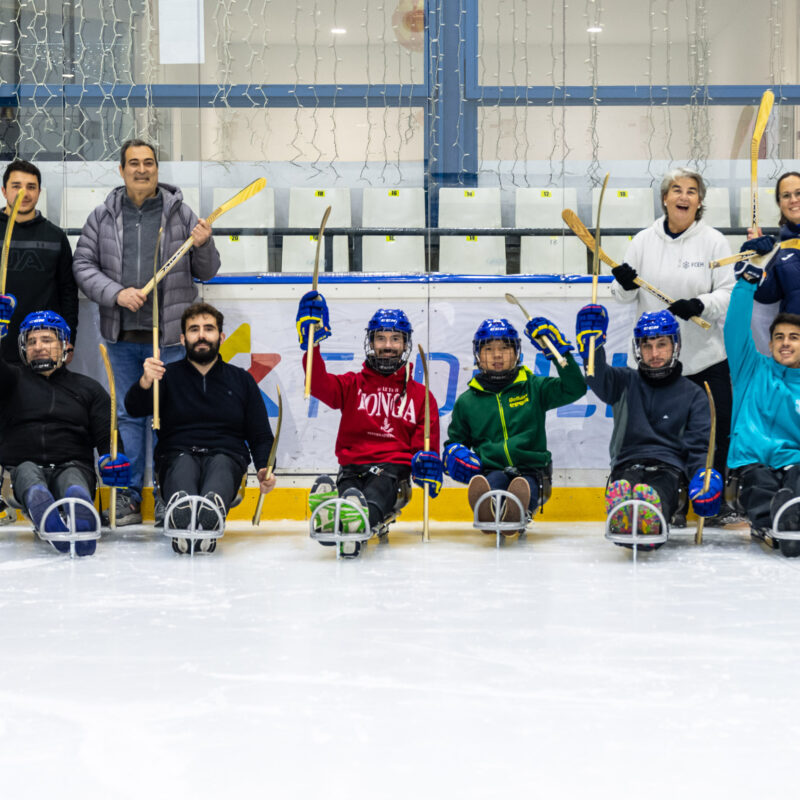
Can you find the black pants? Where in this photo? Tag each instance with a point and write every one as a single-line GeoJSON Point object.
{"type": "Point", "coordinates": [56, 477]}
{"type": "Point", "coordinates": [719, 382]}
{"type": "Point", "coordinates": [200, 473]}
{"type": "Point", "coordinates": [665, 479]}
{"type": "Point", "coordinates": [757, 486]}
{"type": "Point", "coordinates": [378, 483]}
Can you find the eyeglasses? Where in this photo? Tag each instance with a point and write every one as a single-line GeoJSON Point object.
{"type": "Point", "coordinates": [795, 195]}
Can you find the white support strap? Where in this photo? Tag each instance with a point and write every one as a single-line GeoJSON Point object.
{"type": "Point", "coordinates": [192, 532]}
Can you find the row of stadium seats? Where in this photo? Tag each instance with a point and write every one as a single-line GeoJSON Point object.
{"type": "Point", "coordinates": [405, 208]}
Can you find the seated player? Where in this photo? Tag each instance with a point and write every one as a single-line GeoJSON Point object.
{"type": "Point", "coordinates": [213, 421]}
{"type": "Point", "coordinates": [765, 443]}
{"type": "Point", "coordinates": [496, 438]}
{"type": "Point", "coordinates": [661, 421]}
{"type": "Point", "coordinates": [52, 419]}
{"type": "Point", "coordinates": [381, 435]}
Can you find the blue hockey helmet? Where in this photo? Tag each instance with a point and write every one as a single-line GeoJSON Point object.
{"type": "Point", "coordinates": [495, 329]}
{"type": "Point", "coordinates": [37, 321]}
{"type": "Point", "coordinates": [387, 319]}
{"type": "Point", "coordinates": [652, 325]}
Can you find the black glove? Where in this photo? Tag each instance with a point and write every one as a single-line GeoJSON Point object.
{"type": "Point", "coordinates": [761, 244]}
{"type": "Point", "coordinates": [687, 308]}
{"type": "Point", "coordinates": [625, 275]}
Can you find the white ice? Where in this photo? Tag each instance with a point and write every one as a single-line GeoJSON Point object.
{"type": "Point", "coordinates": [552, 667]}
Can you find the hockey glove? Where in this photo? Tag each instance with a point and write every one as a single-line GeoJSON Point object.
{"type": "Point", "coordinates": [749, 272]}
{"type": "Point", "coordinates": [313, 310]}
{"type": "Point", "coordinates": [625, 275]}
{"type": "Point", "coordinates": [541, 328]}
{"type": "Point", "coordinates": [115, 471]}
{"type": "Point", "coordinates": [761, 244]}
{"type": "Point", "coordinates": [461, 463]}
{"type": "Point", "coordinates": [706, 504]}
{"type": "Point", "coordinates": [686, 309]}
{"type": "Point", "coordinates": [592, 320]}
{"type": "Point", "coordinates": [7, 305]}
{"type": "Point", "coordinates": [427, 470]}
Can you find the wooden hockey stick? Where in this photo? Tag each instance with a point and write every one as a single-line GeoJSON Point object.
{"type": "Point", "coordinates": [596, 273]}
{"type": "Point", "coordinates": [544, 341]}
{"type": "Point", "coordinates": [582, 232]}
{"type": "Point", "coordinates": [426, 533]}
{"type": "Point", "coordinates": [312, 329]}
{"type": "Point", "coordinates": [7, 239]}
{"type": "Point", "coordinates": [252, 189]}
{"type": "Point", "coordinates": [764, 110]}
{"type": "Point", "coordinates": [112, 391]}
{"type": "Point", "coordinates": [712, 436]}
{"type": "Point", "coordinates": [156, 394]}
{"type": "Point", "coordinates": [789, 244]}
{"type": "Point", "coordinates": [271, 460]}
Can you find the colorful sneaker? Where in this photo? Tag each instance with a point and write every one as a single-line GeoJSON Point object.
{"type": "Point", "coordinates": [521, 489]}
{"type": "Point", "coordinates": [478, 487]}
{"type": "Point", "coordinates": [616, 493]}
{"type": "Point", "coordinates": [324, 489]}
{"type": "Point", "coordinates": [649, 523]}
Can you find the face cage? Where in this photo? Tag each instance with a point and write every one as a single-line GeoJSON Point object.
{"type": "Point", "coordinates": [476, 351]}
{"type": "Point", "coordinates": [657, 372]}
{"type": "Point", "coordinates": [382, 364]}
{"type": "Point", "coordinates": [41, 365]}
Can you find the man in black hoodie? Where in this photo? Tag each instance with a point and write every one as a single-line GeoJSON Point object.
{"type": "Point", "coordinates": [661, 421]}
{"type": "Point", "coordinates": [213, 421]}
{"type": "Point", "coordinates": [39, 261]}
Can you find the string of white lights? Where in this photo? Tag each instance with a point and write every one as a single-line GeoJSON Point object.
{"type": "Point", "coordinates": [778, 128]}
{"type": "Point", "coordinates": [592, 14]}
{"type": "Point", "coordinates": [699, 125]}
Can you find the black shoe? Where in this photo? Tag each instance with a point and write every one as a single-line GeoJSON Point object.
{"type": "Point", "coordinates": [180, 515]}
{"type": "Point", "coordinates": [727, 517]}
{"type": "Point", "coordinates": [128, 510]}
{"type": "Point", "coordinates": [679, 520]}
{"type": "Point", "coordinates": [789, 547]}
{"type": "Point", "coordinates": [790, 519]}
{"type": "Point", "coordinates": [159, 509]}
{"type": "Point", "coordinates": [183, 546]}
{"type": "Point", "coordinates": [207, 518]}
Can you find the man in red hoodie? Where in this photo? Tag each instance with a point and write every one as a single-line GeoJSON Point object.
{"type": "Point", "coordinates": [381, 438]}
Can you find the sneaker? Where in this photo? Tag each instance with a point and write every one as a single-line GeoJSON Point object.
{"type": "Point", "coordinates": [616, 493]}
{"type": "Point", "coordinates": [183, 546]}
{"type": "Point", "coordinates": [207, 518]}
{"type": "Point", "coordinates": [727, 518]}
{"type": "Point", "coordinates": [323, 489]}
{"type": "Point", "coordinates": [649, 522]}
{"type": "Point", "coordinates": [521, 489]}
{"type": "Point", "coordinates": [180, 515]}
{"type": "Point", "coordinates": [679, 520]}
{"type": "Point", "coordinates": [351, 520]}
{"type": "Point", "coordinates": [128, 510]}
{"type": "Point", "coordinates": [478, 487]}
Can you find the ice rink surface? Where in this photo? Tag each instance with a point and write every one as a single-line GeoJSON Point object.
{"type": "Point", "coordinates": [552, 667]}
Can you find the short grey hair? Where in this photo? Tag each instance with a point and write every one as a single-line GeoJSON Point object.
{"type": "Point", "coordinates": [682, 172]}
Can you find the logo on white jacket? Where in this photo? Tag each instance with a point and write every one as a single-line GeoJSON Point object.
{"type": "Point", "coordinates": [387, 404]}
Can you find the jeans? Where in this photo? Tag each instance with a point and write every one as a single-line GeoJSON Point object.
{"type": "Point", "coordinates": [57, 478]}
{"type": "Point", "coordinates": [127, 360]}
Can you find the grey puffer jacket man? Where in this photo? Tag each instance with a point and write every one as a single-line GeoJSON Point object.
{"type": "Point", "coordinates": [97, 263]}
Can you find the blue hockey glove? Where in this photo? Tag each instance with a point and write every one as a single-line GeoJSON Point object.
{"type": "Point", "coordinates": [706, 504]}
{"type": "Point", "coordinates": [115, 471]}
{"type": "Point", "coordinates": [761, 244]}
{"type": "Point", "coordinates": [542, 328]}
{"type": "Point", "coordinates": [461, 463]}
{"type": "Point", "coordinates": [427, 470]}
{"type": "Point", "coordinates": [313, 310]}
{"type": "Point", "coordinates": [748, 272]}
{"type": "Point", "coordinates": [592, 320]}
{"type": "Point", "coordinates": [7, 305]}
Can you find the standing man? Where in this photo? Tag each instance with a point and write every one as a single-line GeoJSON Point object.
{"type": "Point", "coordinates": [213, 421]}
{"type": "Point", "coordinates": [40, 258]}
{"type": "Point", "coordinates": [114, 260]}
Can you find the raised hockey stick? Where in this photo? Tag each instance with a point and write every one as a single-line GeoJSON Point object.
{"type": "Point", "coordinates": [712, 437]}
{"type": "Point", "coordinates": [426, 533]}
{"type": "Point", "coordinates": [582, 232]}
{"type": "Point", "coordinates": [271, 460]}
{"type": "Point", "coordinates": [312, 329]}
{"type": "Point", "coordinates": [789, 244]}
{"type": "Point", "coordinates": [156, 394]}
{"type": "Point", "coordinates": [112, 391]}
{"type": "Point", "coordinates": [543, 340]}
{"type": "Point", "coordinates": [764, 110]}
{"type": "Point", "coordinates": [7, 239]}
{"type": "Point", "coordinates": [252, 189]}
{"type": "Point", "coordinates": [596, 273]}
